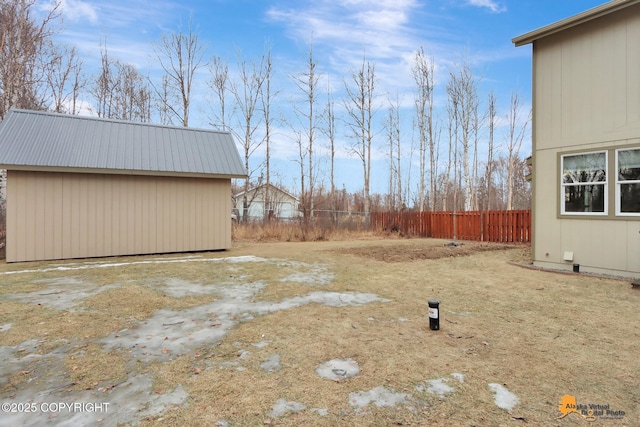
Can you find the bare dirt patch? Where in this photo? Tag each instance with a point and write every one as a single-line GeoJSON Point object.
{"type": "Point", "coordinates": [322, 333]}
{"type": "Point", "coordinates": [417, 252]}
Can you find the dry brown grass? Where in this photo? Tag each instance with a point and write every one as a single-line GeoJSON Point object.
{"type": "Point", "coordinates": [541, 334]}
{"type": "Point", "coordinates": [282, 231]}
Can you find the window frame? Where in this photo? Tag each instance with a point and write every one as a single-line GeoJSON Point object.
{"type": "Point", "coordinates": [619, 182]}
{"type": "Point", "coordinates": [604, 184]}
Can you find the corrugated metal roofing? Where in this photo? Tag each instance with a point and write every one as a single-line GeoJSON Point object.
{"type": "Point", "coordinates": [33, 140]}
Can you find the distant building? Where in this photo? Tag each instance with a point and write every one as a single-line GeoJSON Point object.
{"type": "Point", "coordinates": [280, 205]}
{"type": "Point", "coordinates": [82, 187]}
{"type": "Point", "coordinates": [586, 140]}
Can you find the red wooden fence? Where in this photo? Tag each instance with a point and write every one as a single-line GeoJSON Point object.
{"type": "Point", "coordinates": [484, 226]}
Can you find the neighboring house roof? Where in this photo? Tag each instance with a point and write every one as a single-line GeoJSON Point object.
{"type": "Point", "coordinates": [271, 186]}
{"type": "Point", "coordinates": [581, 18]}
{"type": "Point", "coordinates": [41, 141]}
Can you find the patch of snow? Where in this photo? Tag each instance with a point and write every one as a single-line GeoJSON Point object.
{"type": "Point", "coordinates": [5, 327]}
{"type": "Point", "coordinates": [178, 288]}
{"type": "Point", "coordinates": [243, 354]}
{"type": "Point", "coordinates": [379, 396]}
{"type": "Point", "coordinates": [231, 364]}
{"type": "Point", "coordinates": [459, 377]}
{"type": "Point", "coordinates": [440, 386]}
{"type": "Point", "coordinates": [87, 266]}
{"type": "Point", "coordinates": [126, 403]}
{"type": "Point", "coordinates": [62, 293]}
{"type": "Point", "coordinates": [321, 411]}
{"type": "Point", "coordinates": [504, 398]}
{"type": "Point", "coordinates": [161, 402]}
{"type": "Point", "coordinates": [338, 369]}
{"type": "Point", "coordinates": [282, 406]}
{"type": "Point", "coordinates": [272, 364]}
{"type": "Point", "coordinates": [316, 275]}
{"type": "Point", "coordinates": [167, 334]}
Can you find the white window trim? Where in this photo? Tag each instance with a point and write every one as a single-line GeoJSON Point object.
{"type": "Point", "coordinates": [604, 183]}
{"type": "Point", "coordinates": [618, 182]}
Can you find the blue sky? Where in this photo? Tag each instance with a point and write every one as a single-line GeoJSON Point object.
{"type": "Point", "coordinates": [388, 32]}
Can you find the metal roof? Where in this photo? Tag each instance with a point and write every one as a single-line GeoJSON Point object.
{"type": "Point", "coordinates": [33, 140]}
{"type": "Point", "coordinates": [581, 18]}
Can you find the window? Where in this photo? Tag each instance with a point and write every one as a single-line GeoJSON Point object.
{"type": "Point", "coordinates": [628, 182]}
{"type": "Point", "coordinates": [584, 184]}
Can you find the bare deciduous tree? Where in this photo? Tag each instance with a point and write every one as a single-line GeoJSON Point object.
{"type": "Point", "coordinates": [463, 100]}
{"type": "Point", "coordinates": [361, 111]}
{"type": "Point", "coordinates": [24, 46]}
{"type": "Point", "coordinates": [180, 55]}
{"type": "Point", "coordinates": [102, 89]}
{"type": "Point", "coordinates": [423, 74]}
{"type": "Point", "coordinates": [517, 130]}
{"type": "Point", "coordinates": [301, 160]}
{"type": "Point", "coordinates": [395, 175]}
{"type": "Point", "coordinates": [121, 92]}
{"type": "Point", "coordinates": [330, 131]}
{"type": "Point", "coordinates": [491, 116]}
{"type": "Point", "coordinates": [65, 79]}
{"type": "Point", "coordinates": [267, 98]}
{"type": "Point", "coordinates": [307, 83]}
{"type": "Point", "coordinates": [247, 91]}
{"type": "Point", "coordinates": [219, 82]}
{"type": "Point", "coordinates": [160, 97]}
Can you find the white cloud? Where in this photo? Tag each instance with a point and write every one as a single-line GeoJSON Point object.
{"type": "Point", "coordinates": [489, 4]}
{"type": "Point", "coordinates": [346, 32]}
{"type": "Point", "coordinates": [77, 10]}
{"type": "Point", "coordinates": [375, 24]}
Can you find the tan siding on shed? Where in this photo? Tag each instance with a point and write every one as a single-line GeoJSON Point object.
{"type": "Point", "coordinates": [55, 215]}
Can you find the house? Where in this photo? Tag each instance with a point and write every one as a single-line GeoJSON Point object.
{"type": "Point", "coordinates": [82, 187]}
{"type": "Point", "coordinates": [281, 205]}
{"type": "Point", "coordinates": [586, 141]}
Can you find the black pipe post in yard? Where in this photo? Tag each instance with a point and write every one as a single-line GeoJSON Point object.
{"type": "Point", "coordinates": [434, 314]}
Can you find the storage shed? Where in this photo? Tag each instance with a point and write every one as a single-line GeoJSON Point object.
{"type": "Point", "coordinates": [81, 187]}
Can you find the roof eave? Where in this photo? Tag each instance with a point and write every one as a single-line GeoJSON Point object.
{"type": "Point", "coordinates": [29, 168]}
{"type": "Point", "coordinates": [581, 18]}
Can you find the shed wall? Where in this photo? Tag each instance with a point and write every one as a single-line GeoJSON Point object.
{"type": "Point", "coordinates": [586, 98]}
{"type": "Point", "coordinates": [57, 215]}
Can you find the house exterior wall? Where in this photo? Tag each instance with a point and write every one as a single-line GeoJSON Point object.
{"type": "Point", "coordinates": [281, 210]}
{"type": "Point", "coordinates": [59, 215]}
{"type": "Point", "coordinates": [586, 93]}
{"type": "Point", "coordinates": [283, 205]}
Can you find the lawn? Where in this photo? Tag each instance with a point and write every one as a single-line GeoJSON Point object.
{"type": "Point", "coordinates": [317, 333]}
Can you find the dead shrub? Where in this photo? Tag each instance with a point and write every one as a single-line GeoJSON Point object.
{"type": "Point", "coordinates": [321, 229]}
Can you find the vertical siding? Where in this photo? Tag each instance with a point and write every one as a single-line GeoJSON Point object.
{"type": "Point", "coordinates": [587, 86]}
{"type": "Point", "coordinates": [632, 68]}
{"type": "Point", "coordinates": [633, 247]}
{"type": "Point", "coordinates": [587, 97]}
{"type": "Point", "coordinates": [64, 215]}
